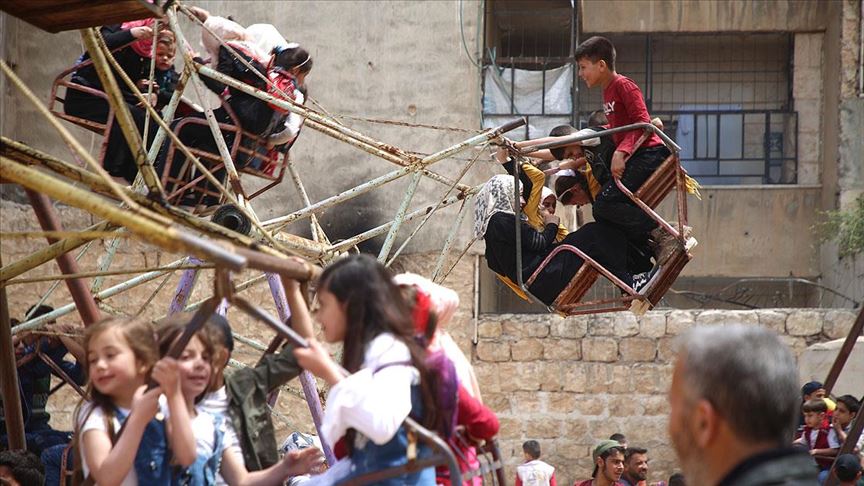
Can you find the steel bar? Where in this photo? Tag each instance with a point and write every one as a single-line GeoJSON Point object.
{"type": "Point", "coordinates": [14, 415]}
{"type": "Point", "coordinates": [845, 351]}
{"type": "Point", "coordinates": [59, 312]}
{"type": "Point", "coordinates": [77, 149]}
{"type": "Point", "coordinates": [477, 271]}
{"type": "Point", "coordinates": [399, 218]}
{"type": "Point", "coordinates": [54, 286]}
{"type": "Point", "coordinates": [131, 271]}
{"type": "Point", "coordinates": [28, 155]}
{"type": "Point", "coordinates": [78, 288]}
{"type": "Point", "coordinates": [380, 230]}
{"type": "Point", "coordinates": [47, 254]}
{"type": "Point", "coordinates": [571, 139]}
{"type": "Point", "coordinates": [307, 381]}
{"type": "Point", "coordinates": [97, 49]}
{"type": "Point", "coordinates": [486, 136]}
{"type": "Point", "coordinates": [184, 289]}
{"type": "Point", "coordinates": [237, 288]}
{"type": "Point", "coordinates": [318, 234]}
{"type": "Point", "coordinates": [166, 237]}
{"type": "Point", "coordinates": [454, 230]}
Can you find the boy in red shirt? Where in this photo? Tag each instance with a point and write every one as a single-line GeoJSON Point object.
{"type": "Point", "coordinates": [623, 105]}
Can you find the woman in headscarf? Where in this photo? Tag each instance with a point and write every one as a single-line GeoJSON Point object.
{"type": "Point", "coordinates": [494, 221]}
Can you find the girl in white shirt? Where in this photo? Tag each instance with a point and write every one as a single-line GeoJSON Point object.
{"type": "Point", "coordinates": [120, 355]}
{"type": "Point", "coordinates": [361, 306]}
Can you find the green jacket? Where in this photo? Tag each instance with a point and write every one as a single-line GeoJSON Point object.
{"type": "Point", "coordinates": [247, 390]}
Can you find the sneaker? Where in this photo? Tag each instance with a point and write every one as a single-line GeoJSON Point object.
{"type": "Point", "coordinates": [642, 281]}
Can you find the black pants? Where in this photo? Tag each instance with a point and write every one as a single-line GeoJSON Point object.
{"type": "Point", "coordinates": [118, 161]}
{"type": "Point", "coordinates": [614, 208]}
{"type": "Point", "coordinates": [603, 243]}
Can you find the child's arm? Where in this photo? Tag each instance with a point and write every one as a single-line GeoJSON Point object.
{"type": "Point", "coordinates": [480, 422]}
{"type": "Point", "coordinates": [109, 464]}
{"type": "Point", "coordinates": [181, 439]}
{"type": "Point", "coordinates": [301, 320]}
{"type": "Point", "coordinates": [317, 360]}
{"type": "Point", "coordinates": [294, 463]}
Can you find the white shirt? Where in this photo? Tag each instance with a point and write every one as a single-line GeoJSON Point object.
{"type": "Point", "coordinates": [375, 404]}
{"type": "Point", "coordinates": [535, 473]}
{"type": "Point", "coordinates": [833, 440]}
{"type": "Point", "coordinates": [96, 421]}
{"type": "Point", "coordinates": [215, 402]}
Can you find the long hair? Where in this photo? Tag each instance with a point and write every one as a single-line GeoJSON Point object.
{"type": "Point", "coordinates": [374, 305]}
{"type": "Point", "coordinates": [139, 337]}
{"type": "Point", "coordinates": [169, 329]}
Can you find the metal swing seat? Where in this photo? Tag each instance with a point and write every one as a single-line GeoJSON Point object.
{"type": "Point", "coordinates": [667, 177]}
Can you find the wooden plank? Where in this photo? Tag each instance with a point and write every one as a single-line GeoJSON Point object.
{"type": "Point", "coordinates": [60, 15]}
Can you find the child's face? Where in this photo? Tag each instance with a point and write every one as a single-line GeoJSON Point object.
{"type": "Point", "coordinates": [331, 315]}
{"type": "Point", "coordinates": [549, 204]}
{"type": "Point", "coordinates": [842, 414]}
{"type": "Point", "coordinates": [814, 419]}
{"type": "Point", "coordinates": [195, 368]}
{"type": "Point", "coordinates": [591, 72]}
{"type": "Point", "coordinates": [573, 152]}
{"type": "Point", "coordinates": [164, 57]}
{"type": "Point", "coordinates": [113, 367]}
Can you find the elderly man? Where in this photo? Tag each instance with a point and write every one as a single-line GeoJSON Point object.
{"type": "Point", "coordinates": [733, 409]}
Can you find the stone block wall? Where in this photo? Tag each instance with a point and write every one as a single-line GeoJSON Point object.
{"type": "Point", "coordinates": [570, 382]}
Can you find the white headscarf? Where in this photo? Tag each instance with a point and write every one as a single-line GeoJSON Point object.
{"type": "Point", "coordinates": [495, 196]}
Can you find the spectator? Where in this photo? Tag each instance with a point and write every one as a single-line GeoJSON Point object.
{"type": "Point", "coordinates": [534, 472]}
{"type": "Point", "coordinates": [813, 390]}
{"type": "Point", "coordinates": [848, 469]}
{"type": "Point", "coordinates": [677, 479]}
{"type": "Point", "coordinates": [720, 371]}
{"type": "Point", "coordinates": [846, 411]}
{"type": "Point", "coordinates": [821, 441]}
{"type": "Point", "coordinates": [608, 457]}
{"type": "Point", "coordinates": [635, 467]}
{"type": "Point", "coordinates": [21, 468]}
{"type": "Point", "coordinates": [619, 438]}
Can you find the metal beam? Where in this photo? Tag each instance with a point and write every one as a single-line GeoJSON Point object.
{"type": "Point", "coordinates": [9, 380]}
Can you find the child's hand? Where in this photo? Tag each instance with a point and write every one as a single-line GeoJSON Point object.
{"type": "Point", "coordinates": [146, 404]}
{"type": "Point", "coordinates": [316, 359]}
{"type": "Point", "coordinates": [303, 461]}
{"type": "Point", "coordinates": [618, 164]}
{"type": "Point", "coordinates": [142, 32]}
{"type": "Point", "coordinates": [549, 218]}
{"type": "Point", "coordinates": [501, 155]}
{"type": "Point", "coordinates": [166, 372]}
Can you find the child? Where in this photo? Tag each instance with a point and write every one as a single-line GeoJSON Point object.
{"type": "Point", "coordinates": [361, 306]}
{"type": "Point", "coordinates": [217, 448]}
{"type": "Point", "coordinates": [242, 395]}
{"type": "Point", "coordinates": [120, 355]}
{"type": "Point", "coordinates": [534, 472]}
{"type": "Point", "coordinates": [848, 469]}
{"type": "Point", "coordinates": [820, 440]}
{"type": "Point", "coordinates": [21, 468]}
{"type": "Point", "coordinates": [847, 408]}
{"type": "Point", "coordinates": [623, 105]}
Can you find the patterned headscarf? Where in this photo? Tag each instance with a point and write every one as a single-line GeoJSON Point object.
{"type": "Point", "coordinates": [495, 196]}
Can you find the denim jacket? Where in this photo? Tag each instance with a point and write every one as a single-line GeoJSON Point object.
{"type": "Point", "coordinates": [205, 468]}
{"type": "Point", "coordinates": [153, 459]}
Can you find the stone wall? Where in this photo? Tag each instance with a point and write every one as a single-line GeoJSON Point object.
{"type": "Point", "coordinates": [570, 382]}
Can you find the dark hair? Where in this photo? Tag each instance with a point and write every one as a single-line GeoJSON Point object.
{"type": "Point", "coordinates": [565, 183]}
{"type": "Point", "coordinates": [220, 332]}
{"type": "Point", "coordinates": [410, 293]}
{"type": "Point", "coordinates": [26, 468]}
{"type": "Point", "coordinates": [815, 406]}
{"type": "Point", "coordinates": [532, 448]}
{"type": "Point", "coordinates": [560, 131]}
{"type": "Point", "coordinates": [35, 312]}
{"type": "Point", "coordinates": [597, 49]}
{"type": "Point", "coordinates": [172, 327]}
{"type": "Point", "coordinates": [632, 451]}
{"type": "Point", "coordinates": [375, 305]}
{"type": "Point", "coordinates": [291, 57]}
{"type": "Point", "coordinates": [851, 403]}
{"type": "Point", "coordinates": [677, 479]}
{"type": "Point", "coordinates": [619, 437]}
{"type": "Point", "coordinates": [612, 450]}
{"type": "Point", "coordinates": [597, 119]}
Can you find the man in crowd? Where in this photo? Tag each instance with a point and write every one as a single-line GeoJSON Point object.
{"type": "Point", "coordinates": [608, 459]}
{"type": "Point", "coordinates": [635, 466]}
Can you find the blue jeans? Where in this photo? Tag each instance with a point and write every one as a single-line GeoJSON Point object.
{"type": "Point", "coordinates": [52, 459]}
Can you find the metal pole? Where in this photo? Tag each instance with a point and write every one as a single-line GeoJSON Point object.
{"type": "Point", "coordinates": [307, 381]}
{"type": "Point", "coordinates": [9, 380]}
{"type": "Point", "coordinates": [78, 288]}
{"type": "Point", "coordinates": [400, 217]}
{"type": "Point", "coordinates": [439, 265]}
{"type": "Point", "coordinates": [184, 288]}
{"type": "Point", "coordinates": [571, 139]}
{"type": "Point", "coordinates": [318, 234]}
{"type": "Point", "coordinates": [97, 49]}
{"type": "Point", "coordinates": [845, 351]}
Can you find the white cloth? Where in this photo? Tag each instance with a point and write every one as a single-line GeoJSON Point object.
{"type": "Point", "coordinates": [495, 196]}
{"type": "Point", "coordinates": [535, 473]}
{"type": "Point", "coordinates": [96, 421]}
{"type": "Point", "coordinates": [373, 403]}
{"type": "Point", "coordinates": [464, 370]}
{"type": "Point", "coordinates": [265, 37]}
{"type": "Point", "coordinates": [215, 402]}
{"type": "Point", "coordinates": [291, 127]}
{"type": "Point", "coordinates": [833, 440]}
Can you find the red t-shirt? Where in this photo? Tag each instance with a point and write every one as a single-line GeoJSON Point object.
{"type": "Point", "coordinates": [588, 482]}
{"type": "Point", "coordinates": [623, 105]}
